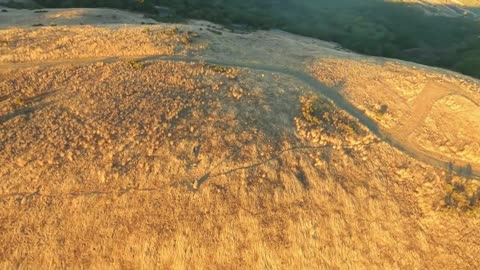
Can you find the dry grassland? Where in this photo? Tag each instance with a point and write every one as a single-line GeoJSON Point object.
{"type": "Point", "coordinates": [59, 43]}
{"type": "Point", "coordinates": [438, 111]}
{"type": "Point", "coordinates": [188, 166]}
{"type": "Point", "coordinates": [172, 165]}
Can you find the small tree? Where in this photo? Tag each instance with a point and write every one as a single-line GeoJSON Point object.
{"type": "Point", "coordinates": [383, 109]}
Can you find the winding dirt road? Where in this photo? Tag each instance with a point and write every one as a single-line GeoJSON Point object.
{"type": "Point", "coordinates": [424, 103]}
{"type": "Point", "coordinates": [397, 138]}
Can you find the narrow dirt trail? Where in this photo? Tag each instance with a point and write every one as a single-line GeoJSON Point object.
{"type": "Point", "coordinates": [421, 108]}
{"type": "Point", "coordinates": [395, 139]}
{"type": "Point", "coordinates": [432, 93]}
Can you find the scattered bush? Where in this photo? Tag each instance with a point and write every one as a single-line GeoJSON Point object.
{"type": "Point", "coordinates": [135, 64]}
{"type": "Point", "coordinates": [321, 113]}
{"type": "Point", "coordinates": [185, 40]}
{"type": "Point", "coordinates": [215, 31]}
{"type": "Point", "coordinates": [383, 109]}
{"type": "Point", "coordinates": [18, 102]}
{"type": "Point", "coordinates": [462, 194]}
{"type": "Point", "coordinates": [218, 69]}
{"type": "Point", "coordinates": [310, 110]}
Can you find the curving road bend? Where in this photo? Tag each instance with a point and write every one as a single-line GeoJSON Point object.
{"type": "Point", "coordinates": [392, 138]}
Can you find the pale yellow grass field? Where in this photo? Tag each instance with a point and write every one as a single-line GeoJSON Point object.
{"type": "Point", "coordinates": [62, 42]}
{"type": "Point", "coordinates": [100, 173]}
{"type": "Point", "coordinates": [163, 165]}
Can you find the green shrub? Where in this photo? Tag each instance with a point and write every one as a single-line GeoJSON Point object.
{"type": "Point", "coordinates": [135, 64]}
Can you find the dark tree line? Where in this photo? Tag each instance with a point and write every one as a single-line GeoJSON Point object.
{"type": "Point", "coordinates": [140, 5]}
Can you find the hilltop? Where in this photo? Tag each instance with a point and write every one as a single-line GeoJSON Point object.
{"type": "Point", "coordinates": [194, 146]}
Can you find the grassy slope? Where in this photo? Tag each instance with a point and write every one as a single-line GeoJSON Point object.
{"type": "Point", "coordinates": [178, 165]}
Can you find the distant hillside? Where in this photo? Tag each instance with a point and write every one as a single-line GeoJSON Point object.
{"type": "Point", "coordinates": [373, 27]}
{"type": "Point", "coordinates": [144, 5]}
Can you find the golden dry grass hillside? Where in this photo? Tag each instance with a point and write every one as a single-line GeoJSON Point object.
{"type": "Point", "coordinates": [434, 110]}
{"type": "Point", "coordinates": [54, 17]}
{"type": "Point", "coordinates": [192, 147]}
{"type": "Point", "coordinates": [62, 42]}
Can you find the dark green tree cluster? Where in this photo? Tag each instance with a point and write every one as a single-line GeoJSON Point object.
{"type": "Point", "coordinates": [140, 5]}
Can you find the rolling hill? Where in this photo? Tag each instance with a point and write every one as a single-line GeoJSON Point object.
{"type": "Point", "coordinates": [186, 146]}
